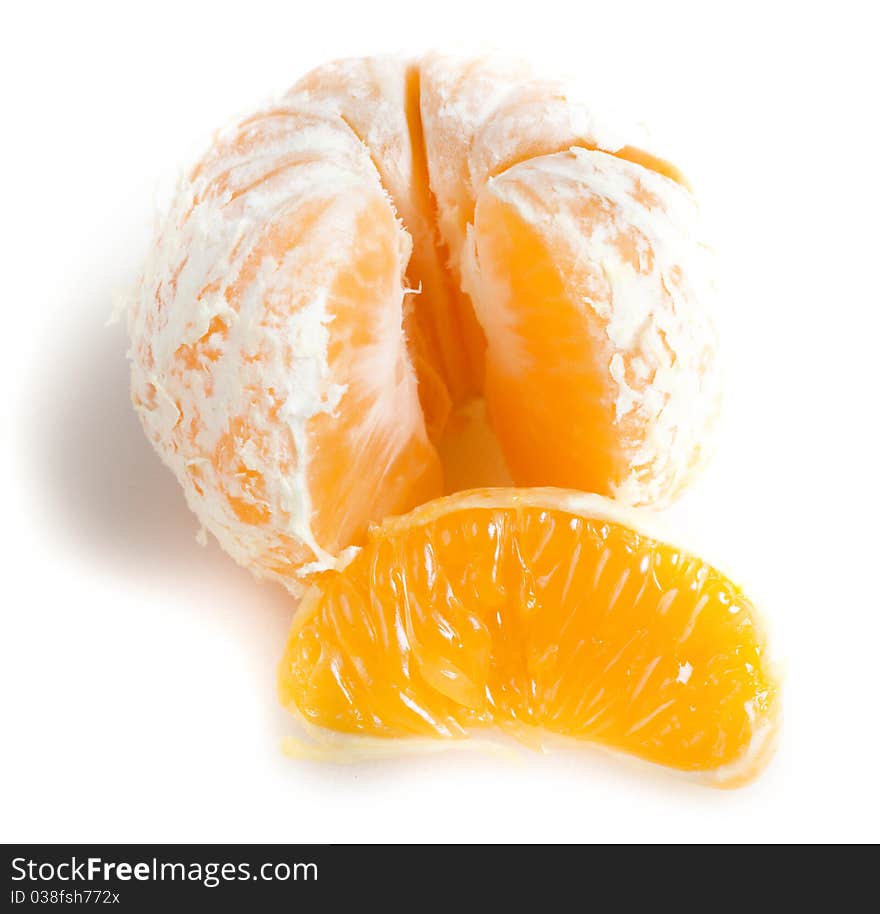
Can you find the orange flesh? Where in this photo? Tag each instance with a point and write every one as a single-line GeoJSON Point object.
{"type": "Point", "coordinates": [445, 318]}
{"type": "Point", "coordinates": [546, 375]}
{"type": "Point", "coordinates": [653, 163]}
{"type": "Point", "coordinates": [522, 617]}
{"type": "Point", "coordinates": [358, 475]}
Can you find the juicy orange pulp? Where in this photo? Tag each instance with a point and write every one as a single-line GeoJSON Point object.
{"type": "Point", "coordinates": [546, 376]}
{"type": "Point", "coordinates": [507, 609]}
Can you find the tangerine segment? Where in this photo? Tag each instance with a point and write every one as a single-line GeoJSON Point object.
{"type": "Point", "coordinates": [538, 611]}
{"type": "Point", "coordinates": [588, 278]}
{"type": "Point", "coordinates": [270, 364]}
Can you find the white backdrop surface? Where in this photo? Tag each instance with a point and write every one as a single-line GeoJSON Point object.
{"type": "Point", "coordinates": [138, 667]}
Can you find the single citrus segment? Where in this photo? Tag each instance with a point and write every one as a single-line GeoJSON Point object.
{"type": "Point", "coordinates": [270, 362]}
{"type": "Point", "coordinates": [536, 612]}
{"type": "Point", "coordinates": [590, 283]}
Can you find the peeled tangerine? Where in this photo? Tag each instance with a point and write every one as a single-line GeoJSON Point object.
{"type": "Point", "coordinates": [352, 273]}
{"type": "Point", "coordinates": [408, 278]}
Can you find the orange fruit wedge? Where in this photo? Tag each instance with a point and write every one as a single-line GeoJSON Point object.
{"type": "Point", "coordinates": [540, 614]}
{"type": "Point", "coordinates": [593, 328]}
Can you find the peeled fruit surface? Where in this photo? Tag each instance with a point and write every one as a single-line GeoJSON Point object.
{"type": "Point", "coordinates": [539, 613]}
{"type": "Point", "coordinates": [350, 267]}
{"type": "Point", "coordinates": [577, 280]}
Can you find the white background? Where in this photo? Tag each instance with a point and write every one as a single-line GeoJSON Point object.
{"type": "Point", "coordinates": [138, 668]}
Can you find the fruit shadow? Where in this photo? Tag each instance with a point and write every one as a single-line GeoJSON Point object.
{"type": "Point", "coordinates": [504, 767]}
{"type": "Point", "coordinates": [111, 497]}
{"type": "Point", "coordinates": [107, 500]}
